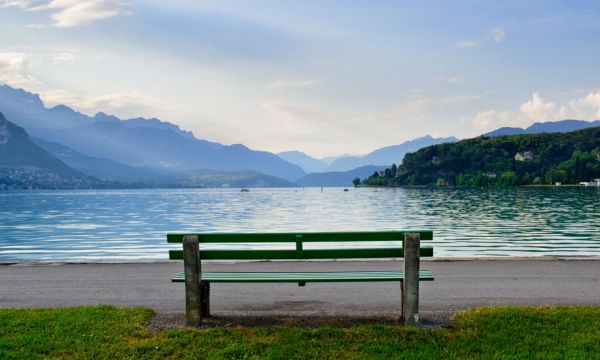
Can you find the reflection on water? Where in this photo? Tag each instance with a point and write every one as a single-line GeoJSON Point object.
{"type": "Point", "coordinates": [131, 224]}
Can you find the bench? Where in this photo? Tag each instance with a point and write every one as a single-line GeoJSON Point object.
{"type": "Point", "coordinates": [398, 244]}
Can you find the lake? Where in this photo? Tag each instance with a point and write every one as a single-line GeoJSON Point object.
{"type": "Point", "coordinates": [95, 225]}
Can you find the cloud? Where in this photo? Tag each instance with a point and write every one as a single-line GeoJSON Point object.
{"type": "Point", "coordinates": [70, 13]}
{"type": "Point", "coordinates": [421, 103]}
{"type": "Point", "coordinates": [130, 104]}
{"type": "Point", "coordinates": [451, 79]}
{"type": "Point", "coordinates": [14, 69]}
{"type": "Point", "coordinates": [587, 107]}
{"type": "Point", "coordinates": [496, 35]}
{"type": "Point", "coordinates": [63, 57]}
{"type": "Point", "coordinates": [548, 19]}
{"type": "Point", "coordinates": [465, 44]}
{"type": "Point", "coordinates": [537, 109]}
{"type": "Point", "coordinates": [291, 84]}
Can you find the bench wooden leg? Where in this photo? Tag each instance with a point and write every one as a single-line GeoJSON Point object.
{"type": "Point", "coordinates": [205, 302]}
{"type": "Point", "coordinates": [401, 301]}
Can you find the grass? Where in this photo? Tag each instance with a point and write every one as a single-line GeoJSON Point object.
{"type": "Point", "coordinates": [107, 332]}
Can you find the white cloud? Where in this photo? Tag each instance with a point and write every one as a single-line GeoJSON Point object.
{"type": "Point", "coordinates": [587, 107]}
{"type": "Point", "coordinates": [551, 18]}
{"type": "Point", "coordinates": [538, 110]}
{"type": "Point", "coordinates": [130, 104]}
{"type": "Point", "coordinates": [14, 69]}
{"type": "Point", "coordinates": [451, 79]}
{"type": "Point", "coordinates": [63, 57]}
{"type": "Point", "coordinates": [69, 13]}
{"type": "Point", "coordinates": [291, 84]}
{"type": "Point", "coordinates": [465, 44]}
{"type": "Point", "coordinates": [496, 35]}
{"type": "Point", "coordinates": [420, 103]}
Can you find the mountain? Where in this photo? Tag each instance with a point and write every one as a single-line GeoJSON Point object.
{"type": "Point", "coordinates": [97, 167]}
{"type": "Point", "coordinates": [25, 165]}
{"type": "Point", "coordinates": [328, 160]}
{"type": "Point", "coordinates": [135, 142]}
{"type": "Point", "coordinates": [561, 126]}
{"type": "Point", "coordinates": [543, 158]}
{"type": "Point", "coordinates": [386, 156]}
{"type": "Point", "coordinates": [307, 163]}
{"type": "Point", "coordinates": [203, 178]}
{"type": "Point", "coordinates": [337, 178]}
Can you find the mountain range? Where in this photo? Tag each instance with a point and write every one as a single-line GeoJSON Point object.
{"type": "Point", "coordinates": [135, 142]}
{"type": "Point", "coordinates": [25, 164]}
{"type": "Point", "coordinates": [77, 150]}
{"type": "Point", "coordinates": [387, 155]}
{"type": "Point", "coordinates": [308, 163]}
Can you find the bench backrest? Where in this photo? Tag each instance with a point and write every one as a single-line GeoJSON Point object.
{"type": "Point", "coordinates": [298, 239]}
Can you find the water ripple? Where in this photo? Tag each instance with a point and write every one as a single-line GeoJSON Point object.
{"type": "Point", "coordinates": [131, 224]}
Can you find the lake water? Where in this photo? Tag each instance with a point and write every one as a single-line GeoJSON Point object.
{"type": "Point", "coordinates": [131, 224]}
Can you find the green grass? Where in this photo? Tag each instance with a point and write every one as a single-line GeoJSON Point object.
{"type": "Point", "coordinates": [106, 332]}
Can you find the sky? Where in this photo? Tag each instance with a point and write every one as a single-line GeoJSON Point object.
{"type": "Point", "coordinates": [326, 77]}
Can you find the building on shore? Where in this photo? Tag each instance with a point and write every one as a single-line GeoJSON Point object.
{"type": "Point", "coordinates": [525, 156]}
{"type": "Point", "coordinates": [596, 182]}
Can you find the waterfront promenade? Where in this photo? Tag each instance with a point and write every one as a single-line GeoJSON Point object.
{"type": "Point", "coordinates": [459, 285]}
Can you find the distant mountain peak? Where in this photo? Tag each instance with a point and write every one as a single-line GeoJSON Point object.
{"type": "Point", "coordinates": [101, 116]}
{"type": "Point", "coordinates": [560, 126]}
{"type": "Point", "coordinates": [308, 163]}
{"type": "Point", "coordinates": [386, 156]}
{"type": "Point", "coordinates": [20, 94]}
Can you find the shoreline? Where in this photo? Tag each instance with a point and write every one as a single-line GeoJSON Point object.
{"type": "Point", "coordinates": [376, 260]}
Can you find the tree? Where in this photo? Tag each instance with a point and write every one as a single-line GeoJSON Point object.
{"type": "Point", "coordinates": [356, 182]}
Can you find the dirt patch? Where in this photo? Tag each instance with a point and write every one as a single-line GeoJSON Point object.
{"type": "Point", "coordinates": [166, 321]}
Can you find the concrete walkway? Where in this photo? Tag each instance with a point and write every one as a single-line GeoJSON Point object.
{"type": "Point", "coordinates": [458, 285]}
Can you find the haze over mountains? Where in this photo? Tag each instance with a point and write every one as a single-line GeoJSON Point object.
{"type": "Point", "coordinates": [23, 164]}
{"type": "Point", "coordinates": [385, 156]}
{"type": "Point", "coordinates": [338, 178]}
{"type": "Point", "coordinates": [104, 150]}
{"type": "Point", "coordinates": [135, 142]}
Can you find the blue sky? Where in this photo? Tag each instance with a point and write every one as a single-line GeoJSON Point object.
{"type": "Point", "coordinates": [324, 77]}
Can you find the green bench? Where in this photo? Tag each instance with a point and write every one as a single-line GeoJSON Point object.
{"type": "Point", "coordinates": [197, 282]}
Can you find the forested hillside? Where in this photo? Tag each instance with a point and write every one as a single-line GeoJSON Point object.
{"type": "Point", "coordinates": [504, 160]}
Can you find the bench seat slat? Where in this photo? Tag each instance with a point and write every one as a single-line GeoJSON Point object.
{"type": "Point", "coordinates": [224, 238]}
{"type": "Point", "coordinates": [303, 277]}
{"type": "Point", "coordinates": [372, 253]}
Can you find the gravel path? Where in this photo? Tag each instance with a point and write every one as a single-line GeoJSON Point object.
{"type": "Point", "coordinates": [458, 285]}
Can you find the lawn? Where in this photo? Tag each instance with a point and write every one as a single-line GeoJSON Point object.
{"type": "Point", "coordinates": [106, 332]}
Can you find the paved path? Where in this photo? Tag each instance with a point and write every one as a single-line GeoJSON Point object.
{"type": "Point", "coordinates": [458, 285]}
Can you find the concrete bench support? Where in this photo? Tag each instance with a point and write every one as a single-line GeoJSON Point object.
{"type": "Point", "coordinates": [193, 291]}
{"type": "Point", "coordinates": [410, 291]}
